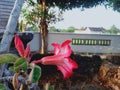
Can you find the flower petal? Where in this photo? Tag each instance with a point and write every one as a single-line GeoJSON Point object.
{"type": "Point", "coordinates": [72, 64]}
{"type": "Point", "coordinates": [19, 46]}
{"type": "Point", "coordinates": [56, 48]}
{"type": "Point", "coordinates": [65, 73]}
{"type": "Point", "coordinates": [51, 60]}
{"type": "Point", "coordinates": [67, 42]}
{"type": "Point", "coordinates": [67, 67]}
{"type": "Point", "coordinates": [66, 49]}
{"type": "Point", "coordinates": [61, 59]}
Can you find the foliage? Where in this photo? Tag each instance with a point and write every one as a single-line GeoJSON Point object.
{"type": "Point", "coordinates": [69, 29]}
{"type": "Point", "coordinates": [53, 29]}
{"type": "Point", "coordinates": [113, 30]}
{"type": "Point", "coordinates": [21, 26]}
{"type": "Point", "coordinates": [32, 15]}
{"type": "Point", "coordinates": [35, 73]}
{"type": "Point", "coordinates": [51, 87]}
{"type": "Point", "coordinates": [2, 87]}
{"type": "Point", "coordinates": [115, 4]}
{"type": "Point", "coordinates": [7, 58]}
{"type": "Point", "coordinates": [21, 65]}
{"type": "Point", "coordinates": [32, 10]}
{"type": "Point", "coordinates": [69, 4]}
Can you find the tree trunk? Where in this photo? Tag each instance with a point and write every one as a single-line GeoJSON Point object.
{"type": "Point", "coordinates": [11, 26]}
{"type": "Point", "coordinates": [44, 33]}
{"type": "Point", "coordinates": [44, 29]}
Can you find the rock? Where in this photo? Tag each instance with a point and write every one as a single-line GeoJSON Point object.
{"type": "Point", "coordinates": [115, 59]}
{"type": "Point", "coordinates": [109, 75]}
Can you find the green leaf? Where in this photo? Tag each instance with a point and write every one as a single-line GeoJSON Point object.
{"type": "Point", "coordinates": [8, 58]}
{"type": "Point", "coordinates": [2, 87]}
{"type": "Point", "coordinates": [35, 74]}
{"type": "Point", "coordinates": [51, 87]}
{"type": "Point", "coordinates": [11, 68]}
{"type": "Point", "coordinates": [20, 64]}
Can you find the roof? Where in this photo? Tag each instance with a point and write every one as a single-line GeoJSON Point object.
{"type": "Point", "coordinates": [6, 7]}
{"type": "Point", "coordinates": [94, 29]}
{"type": "Point", "coordinates": [97, 29]}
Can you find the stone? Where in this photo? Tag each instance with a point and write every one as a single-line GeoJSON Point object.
{"type": "Point", "coordinates": [109, 75]}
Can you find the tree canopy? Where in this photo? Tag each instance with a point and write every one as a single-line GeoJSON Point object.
{"type": "Point", "coordinates": [113, 30]}
{"type": "Point", "coordinates": [115, 4]}
{"type": "Point", "coordinates": [69, 4]}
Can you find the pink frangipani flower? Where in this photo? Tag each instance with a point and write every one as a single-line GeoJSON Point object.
{"type": "Point", "coordinates": [61, 59]}
{"type": "Point", "coordinates": [20, 48]}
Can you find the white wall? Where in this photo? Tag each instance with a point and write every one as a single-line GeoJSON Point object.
{"type": "Point", "coordinates": [60, 37]}
{"type": "Point", "coordinates": [114, 47]}
{"type": "Point", "coordinates": [35, 43]}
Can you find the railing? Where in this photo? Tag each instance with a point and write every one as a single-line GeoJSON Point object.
{"type": "Point", "coordinates": [101, 42]}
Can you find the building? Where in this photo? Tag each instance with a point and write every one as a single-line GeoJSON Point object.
{"type": "Point", "coordinates": [90, 30]}
{"type": "Point", "coordinates": [6, 7]}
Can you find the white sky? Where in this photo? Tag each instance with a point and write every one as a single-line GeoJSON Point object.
{"type": "Point", "coordinates": [94, 17]}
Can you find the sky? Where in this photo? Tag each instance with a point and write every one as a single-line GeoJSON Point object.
{"type": "Point", "coordinates": [95, 17]}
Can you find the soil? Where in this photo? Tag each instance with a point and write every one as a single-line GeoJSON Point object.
{"type": "Point", "coordinates": [86, 77]}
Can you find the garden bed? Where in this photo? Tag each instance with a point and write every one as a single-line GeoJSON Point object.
{"type": "Point", "coordinates": [93, 73]}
